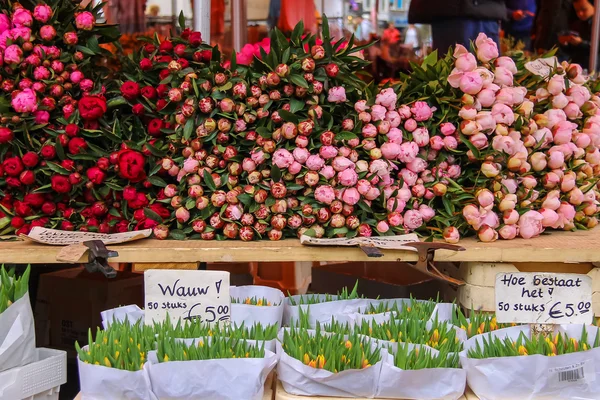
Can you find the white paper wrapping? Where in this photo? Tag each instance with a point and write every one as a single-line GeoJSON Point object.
{"type": "Point", "coordinates": [321, 312]}
{"type": "Point", "coordinates": [17, 335]}
{"type": "Point", "coordinates": [132, 313]}
{"type": "Point", "coordinates": [300, 379]}
{"type": "Point", "coordinates": [223, 379]}
{"type": "Point", "coordinates": [536, 376]}
{"type": "Point", "coordinates": [424, 384]}
{"type": "Point", "coordinates": [249, 314]}
{"type": "Point", "coordinates": [98, 382]}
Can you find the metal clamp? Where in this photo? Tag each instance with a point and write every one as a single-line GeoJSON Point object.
{"type": "Point", "coordinates": [426, 252]}
{"type": "Point", "coordinates": [98, 256]}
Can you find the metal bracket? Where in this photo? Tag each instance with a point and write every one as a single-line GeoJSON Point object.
{"type": "Point", "coordinates": [98, 256]}
{"type": "Point", "coordinates": [426, 252]}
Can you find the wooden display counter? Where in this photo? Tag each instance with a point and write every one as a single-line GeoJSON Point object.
{"type": "Point", "coordinates": [557, 247]}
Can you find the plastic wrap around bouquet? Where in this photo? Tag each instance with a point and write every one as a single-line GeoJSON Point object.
{"type": "Point", "coordinates": [256, 304]}
{"type": "Point", "coordinates": [555, 376]}
{"type": "Point", "coordinates": [17, 333]}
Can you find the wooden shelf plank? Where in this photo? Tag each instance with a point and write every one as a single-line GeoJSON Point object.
{"type": "Point", "coordinates": [563, 247]}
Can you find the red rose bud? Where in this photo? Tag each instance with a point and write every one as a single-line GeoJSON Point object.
{"type": "Point", "coordinates": [130, 90]}
{"type": "Point", "coordinates": [75, 178]}
{"type": "Point", "coordinates": [161, 104]}
{"type": "Point", "coordinates": [48, 152]}
{"type": "Point", "coordinates": [6, 135]}
{"type": "Point", "coordinates": [30, 159]}
{"type": "Point", "coordinates": [39, 222]}
{"type": "Point", "coordinates": [77, 144]}
{"type": "Point", "coordinates": [165, 47]}
{"type": "Point", "coordinates": [95, 175]}
{"type": "Point", "coordinates": [179, 50]}
{"type": "Point", "coordinates": [27, 178]}
{"type": "Point", "coordinates": [206, 55]}
{"type": "Point", "coordinates": [332, 70]}
{"type": "Point", "coordinates": [154, 127]}
{"type": "Point", "coordinates": [99, 209]}
{"type": "Point", "coordinates": [14, 182]}
{"type": "Point", "coordinates": [148, 92]}
{"type": "Point", "coordinates": [63, 139]}
{"type": "Point", "coordinates": [67, 164]}
{"type": "Point", "coordinates": [92, 107]}
{"type": "Point", "coordinates": [67, 226]}
{"type": "Point", "coordinates": [71, 130]}
{"type": "Point", "coordinates": [131, 165]}
{"type": "Point", "coordinates": [60, 184]}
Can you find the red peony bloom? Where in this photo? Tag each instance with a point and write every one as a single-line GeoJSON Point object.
{"type": "Point", "coordinates": [22, 209]}
{"type": "Point", "coordinates": [160, 210]}
{"type": "Point", "coordinates": [138, 110]}
{"type": "Point", "coordinates": [149, 92]}
{"type": "Point", "coordinates": [69, 165]}
{"type": "Point", "coordinates": [76, 144]}
{"type": "Point", "coordinates": [27, 177]}
{"type": "Point", "coordinates": [145, 64]}
{"type": "Point", "coordinates": [60, 184]}
{"type": "Point", "coordinates": [92, 107]}
{"type": "Point", "coordinates": [6, 135]}
{"type": "Point", "coordinates": [162, 90]}
{"type": "Point", "coordinates": [132, 165]}
{"type": "Point", "coordinates": [195, 39]}
{"type": "Point", "coordinates": [48, 152]}
{"type": "Point", "coordinates": [184, 63]}
{"type": "Point", "coordinates": [154, 127]}
{"type": "Point", "coordinates": [160, 104]}
{"type": "Point", "coordinates": [95, 175]}
{"type": "Point", "coordinates": [130, 90]}
{"type": "Point", "coordinates": [166, 47]}
{"type": "Point", "coordinates": [71, 130]}
{"type": "Point", "coordinates": [13, 166]}
{"type": "Point", "coordinates": [30, 159]}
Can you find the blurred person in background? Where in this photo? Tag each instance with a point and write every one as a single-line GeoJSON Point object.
{"type": "Point", "coordinates": [520, 20]}
{"type": "Point", "coordinates": [552, 19]}
{"type": "Point", "coordinates": [577, 40]}
{"type": "Point", "coordinates": [412, 37]}
{"type": "Point", "coordinates": [458, 21]}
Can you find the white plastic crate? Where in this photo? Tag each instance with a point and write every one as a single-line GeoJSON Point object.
{"type": "Point", "coordinates": [39, 380]}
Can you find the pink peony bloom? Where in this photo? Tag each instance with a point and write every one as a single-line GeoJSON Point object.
{"type": "Point", "coordinates": [378, 112]}
{"type": "Point", "coordinates": [556, 85]}
{"type": "Point", "coordinates": [41, 117]}
{"type": "Point", "coordinates": [42, 13]}
{"type": "Point", "coordinates": [450, 142]}
{"type": "Point", "coordinates": [327, 171]}
{"type": "Point", "coordinates": [412, 219]}
{"type": "Point", "coordinates": [341, 163]}
{"type": "Point", "coordinates": [328, 152]}
{"type": "Point", "coordinates": [578, 94]}
{"type": "Point", "coordinates": [560, 101]}
{"type": "Point", "coordinates": [487, 234]}
{"type": "Point", "coordinates": [455, 77]}
{"type": "Point", "coordinates": [417, 165]}
{"type": "Point", "coordinates": [447, 128]}
{"type": "Point", "coordinates": [22, 17]}
{"type": "Point", "coordinates": [314, 163]}
{"type": "Point", "coordinates": [395, 136]}
{"type": "Point", "coordinates": [421, 111]}
{"type": "Point", "coordinates": [508, 232]}
{"type": "Point", "coordinates": [325, 194]}
{"type": "Point", "coordinates": [421, 137]}
{"type": "Point", "coordinates": [5, 23]}
{"type": "Point", "coordinates": [282, 158]}
{"type": "Point", "coordinates": [361, 106]}
{"type": "Point", "coordinates": [506, 62]}
{"type": "Point", "coordinates": [451, 235]}
{"type": "Point", "coordinates": [479, 140]}
{"type": "Point", "coordinates": [410, 125]}
{"type": "Point", "coordinates": [486, 120]}
{"type": "Point", "coordinates": [300, 154]}
{"type": "Point", "coordinates": [408, 152]}
{"type": "Point", "coordinates": [190, 165]}
{"type": "Point", "coordinates": [47, 32]}
{"type": "Point", "coordinates": [350, 196]}
{"type": "Point", "coordinates": [503, 77]}
{"type": "Point", "coordinates": [465, 61]}
{"type": "Point", "coordinates": [348, 177]}
{"type": "Point", "coordinates": [409, 177]}
{"type": "Point", "coordinates": [426, 212]}
{"type": "Point", "coordinates": [503, 114]}
{"type": "Point", "coordinates": [572, 111]}
{"type": "Point", "coordinates": [471, 83]}
{"type": "Point", "coordinates": [369, 131]}
{"type": "Point", "coordinates": [563, 132]}
{"type": "Point", "coordinates": [390, 151]}
{"type": "Point", "coordinates": [20, 33]}
{"type": "Point", "coordinates": [85, 21]}
{"type": "Point", "coordinates": [258, 156]}
{"type": "Point", "coordinates": [550, 217]}
{"type": "Point", "coordinates": [530, 224]}
{"type": "Point", "coordinates": [337, 94]}
{"type": "Point", "coordinates": [13, 54]}
{"type": "Point", "coordinates": [25, 101]}
{"type": "Point", "coordinates": [487, 49]}
{"type": "Point", "coordinates": [387, 98]}
{"type": "Point", "coordinates": [510, 217]}
{"type": "Point", "coordinates": [486, 97]}
{"type": "Point", "coordinates": [295, 168]}
{"type": "Point", "coordinates": [566, 213]}
{"type": "Point", "coordinates": [379, 167]}
{"type": "Point", "coordinates": [394, 118]}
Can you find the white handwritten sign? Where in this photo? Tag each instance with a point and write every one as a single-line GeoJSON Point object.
{"type": "Point", "coordinates": [543, 298]}
{"type": "Point", "coordinates": [64, 238]}
{"type": "Point", "coordinates": [542, 66]}
{"type": "Point", "coordinates": [192, 295]}
{"type": "Point", "coordinates": [397, 242]}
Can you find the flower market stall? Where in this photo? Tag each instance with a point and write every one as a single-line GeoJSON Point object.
{"type": "Point", "coordinates": [490, 161]}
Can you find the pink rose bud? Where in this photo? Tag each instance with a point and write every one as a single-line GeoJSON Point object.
{"type": "Point", "coordinates": [508, 232]}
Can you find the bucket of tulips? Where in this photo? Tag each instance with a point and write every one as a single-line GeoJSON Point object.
{"type": "Point", "coordinates": [321, 307]}
{"type": "Point", "coordinates": [111, 366]}
{"type": "Point", "coordinates": [218, 368]}
{"type": "Point", "coordinates": [17, 334]}
{"type": "Point", "coordinates": [317, 363]}
{"type": "Point", "coordinates": [477, 323]}
{"type": "Point", "coordinates": [132, 313]}
{"type": "Point", "coordinates": [517, 364]}
{"type": "Point", "coordinates": [252, 304]}
{"type": "Point", "coordinates": [409, 308]}
{"type": "Point", "coordinates": [420, 372]}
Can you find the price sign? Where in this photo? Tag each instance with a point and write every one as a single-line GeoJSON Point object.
{"type": "Point", "coordinates": [542, 298]}
{"type": "Point", "coordinates": [189, 295]}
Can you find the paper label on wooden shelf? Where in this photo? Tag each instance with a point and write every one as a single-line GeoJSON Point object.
{"type": "Point", "coordinates": [397, 242]}
{"type": "Point", "coordinates": [71, 253]}
{"type": "Point", "coordinates": [64, 238]}
{"type": "Point", "coordinates": [543, 298]}
{"type": "Point", "coordinates": [192, 295]}
{"type": "Point", "coordinates": [542, 66]}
